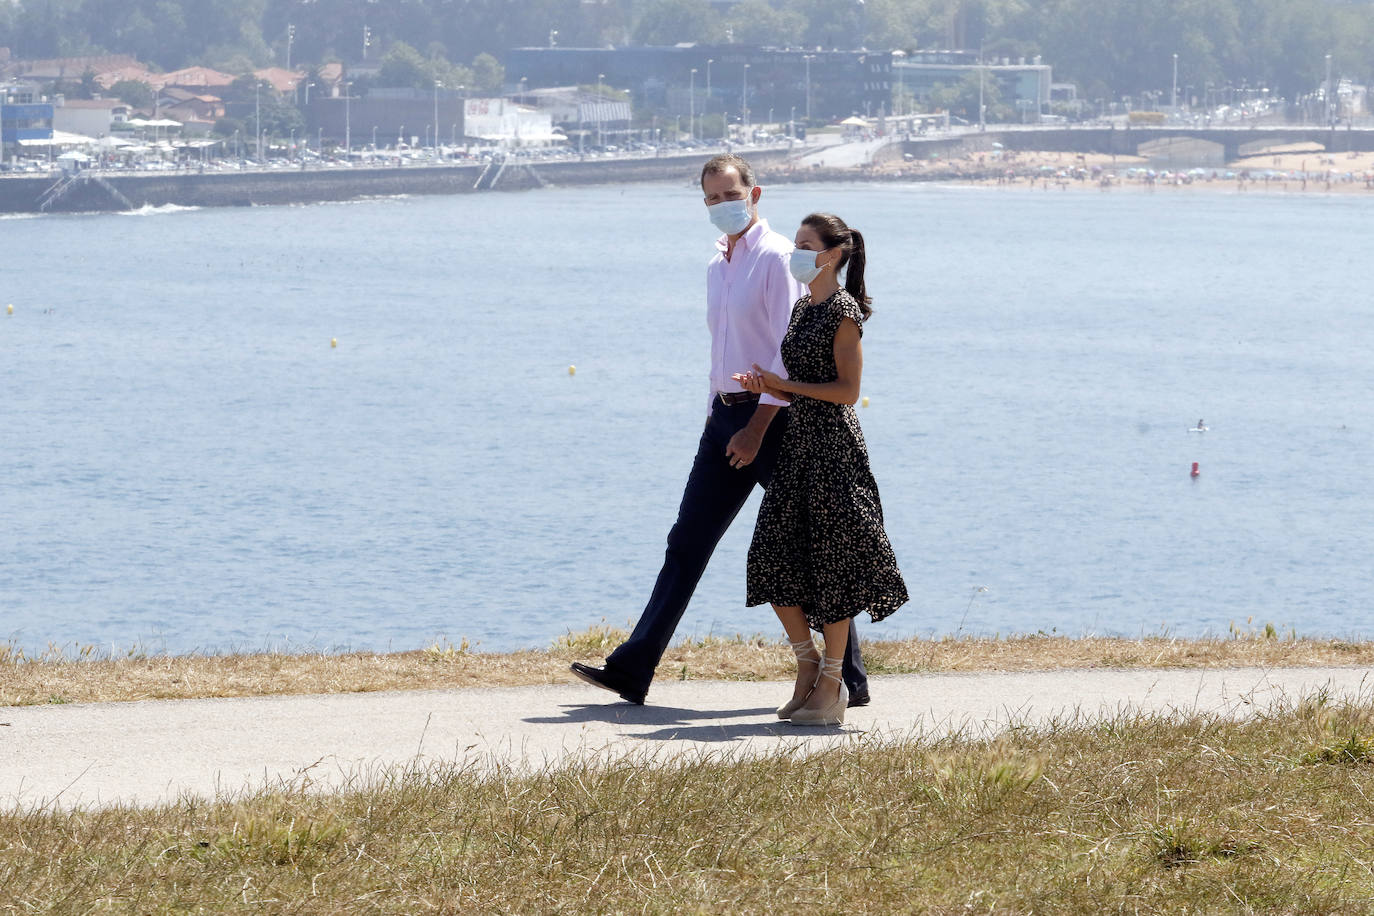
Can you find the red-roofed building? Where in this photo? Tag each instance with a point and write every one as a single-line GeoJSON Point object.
{"type": "Point", "coordinates": [280, 79]}
{"type": "Point", "coordinates": [137, 73]}
{"type": "Point", "coordinates": [197, 78]}
{"type": "Point", "coordinates": [183, 105]}
{"type": "Point", "coordinates": [68, 68]}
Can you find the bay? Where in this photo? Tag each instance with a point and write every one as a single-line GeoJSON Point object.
{"type": "Point", "coordinates": [186, 464]}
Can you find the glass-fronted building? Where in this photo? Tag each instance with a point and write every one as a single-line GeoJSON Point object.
{"type": "Point", "coordinates": [741, 82]}
{"type": "Point", "coordinates": [25, 114]}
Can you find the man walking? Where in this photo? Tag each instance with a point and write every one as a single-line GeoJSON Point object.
{"type": "Point", "coordinates": [749, 298]}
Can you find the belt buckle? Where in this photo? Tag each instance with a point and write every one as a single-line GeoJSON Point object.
{"type": "Point", "coordinates": [721, 395]}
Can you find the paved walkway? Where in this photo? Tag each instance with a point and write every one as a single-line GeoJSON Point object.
{"type": "Point", "coordinates": [845, 155]}
{"type": "Point", "coordinates": [150, 752]}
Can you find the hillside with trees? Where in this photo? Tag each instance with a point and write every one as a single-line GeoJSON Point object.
{"type": "Point", "coordinates": [1107, 47]}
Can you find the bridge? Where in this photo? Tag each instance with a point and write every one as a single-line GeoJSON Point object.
{"type": "Point", "coordinates": [1236, 142]}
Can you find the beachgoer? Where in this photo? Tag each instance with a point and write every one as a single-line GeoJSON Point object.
{"type": "Point", "coordinates": [749, 296]}
{"type": "Point", "coordinates": [820, 555]}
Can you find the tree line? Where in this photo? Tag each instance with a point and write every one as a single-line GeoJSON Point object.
{"type": "Point", "coordinates": [1108, 47]}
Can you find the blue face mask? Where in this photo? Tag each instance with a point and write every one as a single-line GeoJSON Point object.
{"type": "Point", "coordinates": [730, 216]}
{"type": "Point", "coordinates": [803, 265]}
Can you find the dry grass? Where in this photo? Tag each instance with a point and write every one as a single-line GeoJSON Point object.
{"type": "Point", "coordinates": [1141, 814]}
{"type": "Point", "coordinates": [83, 677]}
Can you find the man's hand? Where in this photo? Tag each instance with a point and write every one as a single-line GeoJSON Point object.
{"type": "Point", "coordinates": [744, 447]}
{"type": "Point", "coordinates": [755, 383]}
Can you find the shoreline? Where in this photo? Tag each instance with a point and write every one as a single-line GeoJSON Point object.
{"type": "Point", "coordinates": [88, 677]}
{"type": "Point", "coordinates": [1283, 170]}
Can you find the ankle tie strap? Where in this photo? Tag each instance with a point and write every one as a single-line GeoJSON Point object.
{"type": "Point", "coordinates": [805, 650]}
{"type": "Point", "coordinates": [831, 667]}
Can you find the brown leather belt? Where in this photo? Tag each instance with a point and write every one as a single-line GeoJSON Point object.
{"type": "Point", "coordinates": [734, 398]}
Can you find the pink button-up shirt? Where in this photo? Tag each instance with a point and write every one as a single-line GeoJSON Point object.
{"type": "Point", "coordinates": [749, 301]}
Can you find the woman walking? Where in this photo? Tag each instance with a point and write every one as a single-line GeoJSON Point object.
{"type": "Point", "coordinates": [820, 555]}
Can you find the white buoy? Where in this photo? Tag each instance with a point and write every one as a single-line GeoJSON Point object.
{"type": "Point", "coordinates": [333, 342]}
{"type": "Point", "coordinates": [864, 402]}
{"type": "Point", "coordinates": [572, 370]}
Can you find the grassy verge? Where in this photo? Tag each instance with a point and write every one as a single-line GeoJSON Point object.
{"type": "Point", "coordinates": [1136, 815]}
{"type": "Point", "coordinates": [85, 677]}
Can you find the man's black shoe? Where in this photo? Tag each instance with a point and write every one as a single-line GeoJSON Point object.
{"type": "Point", "coordinates": [609, 680]}
{"type": "Point", "coordinates": [858, 699]}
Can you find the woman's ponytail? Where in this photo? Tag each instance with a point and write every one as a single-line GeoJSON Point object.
{"type": "Point", "coordinates": [854, 277]}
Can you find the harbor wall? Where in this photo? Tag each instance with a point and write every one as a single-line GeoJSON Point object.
{"type": "Point", "coordinates": [263, 188]}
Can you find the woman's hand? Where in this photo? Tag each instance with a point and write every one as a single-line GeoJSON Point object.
{"type": "Point", "coordinates": [771, 381]}
{"type": "Point", "coordinates": [759, 381]}
{"type": "Point", "coordinates": [750, 382]}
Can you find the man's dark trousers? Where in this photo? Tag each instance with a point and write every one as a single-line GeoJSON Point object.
{"type": "Point", "coordinates": [714, 494]}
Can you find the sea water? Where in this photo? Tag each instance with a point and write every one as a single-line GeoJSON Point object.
{"type": "Point", "coordinates": [188, 464]}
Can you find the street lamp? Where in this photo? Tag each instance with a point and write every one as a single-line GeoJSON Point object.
{"type": "Point", "coordinates": [1327, 93]}
{"type": "Point", "coordinates": [348, 122]}
{"type": "Point", "coordinates": [1173, 93]}
{"type": "Point", "coordinates": [600, 137]}
{"type": "Point", "coordinates": [257, 114]}
{"type": "Point", "coordinates": [374, 138]}
{"type": "Point", "coordinates": [982, 124]}
{"type": "Point", "coordinates": [692, 106]}
{"type": "Point", "coordinates": [792, 123]}
{"type": "Point", "coordinates": [807, 58]}
{"type": "Point", "coordinates": [744, 103]}
{"type": "Point", "coordinates": [901, 79]}
{"type": "Point", "coordinates": [706, 102]}
{"type": "Point", "coordinates": [437, 84]}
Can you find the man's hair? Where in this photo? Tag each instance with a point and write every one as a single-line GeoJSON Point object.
{"type": "Point", "coordinates": [718, 164]}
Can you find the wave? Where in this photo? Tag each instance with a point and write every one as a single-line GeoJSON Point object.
{"type": "Point", "coordinates": [151, 210]}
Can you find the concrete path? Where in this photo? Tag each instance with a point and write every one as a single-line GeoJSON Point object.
{"type": "Point", "coordinates": [843, 155]}
{"type": "Point", "coordinates": [151, 752]}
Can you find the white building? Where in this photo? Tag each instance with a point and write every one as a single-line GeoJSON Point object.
{"type": "Point", "coordinates": [88, 117]}
{"type": "Point", "coordinates": [503, 122]}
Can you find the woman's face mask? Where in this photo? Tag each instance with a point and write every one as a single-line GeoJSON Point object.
{"type": "Point", "coordinates": [803, 264]}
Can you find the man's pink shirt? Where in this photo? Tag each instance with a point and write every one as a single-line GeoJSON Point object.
{"type": "Point", "coordinates": [749, 301]}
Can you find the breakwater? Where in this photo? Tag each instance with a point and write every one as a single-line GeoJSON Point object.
{"type": "Point", "coordinates": [92, 192]}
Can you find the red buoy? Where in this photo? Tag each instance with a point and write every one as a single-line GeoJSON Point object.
{"type": "Point", "coordinates": [1195, 472]}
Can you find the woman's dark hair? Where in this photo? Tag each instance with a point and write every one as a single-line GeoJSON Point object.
{"type": "Point", "coordinates": [835, 234]}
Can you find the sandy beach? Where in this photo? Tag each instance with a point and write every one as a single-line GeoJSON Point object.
{"type": "Point", "coordinates": [1296, 168]}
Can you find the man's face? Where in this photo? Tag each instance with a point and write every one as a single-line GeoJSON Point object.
{"type": "Point", "coordinates": [727, 185]}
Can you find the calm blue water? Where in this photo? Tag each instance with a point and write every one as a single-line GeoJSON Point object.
{"type": "Point", "coordinates": [186, 464]}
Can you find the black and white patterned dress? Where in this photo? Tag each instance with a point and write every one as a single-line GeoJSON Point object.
{"type": "Point", "coordinates": [819, 542]}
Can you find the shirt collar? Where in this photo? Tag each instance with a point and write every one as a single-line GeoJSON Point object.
{"type": "Point", "coordinates": [749, 239]}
